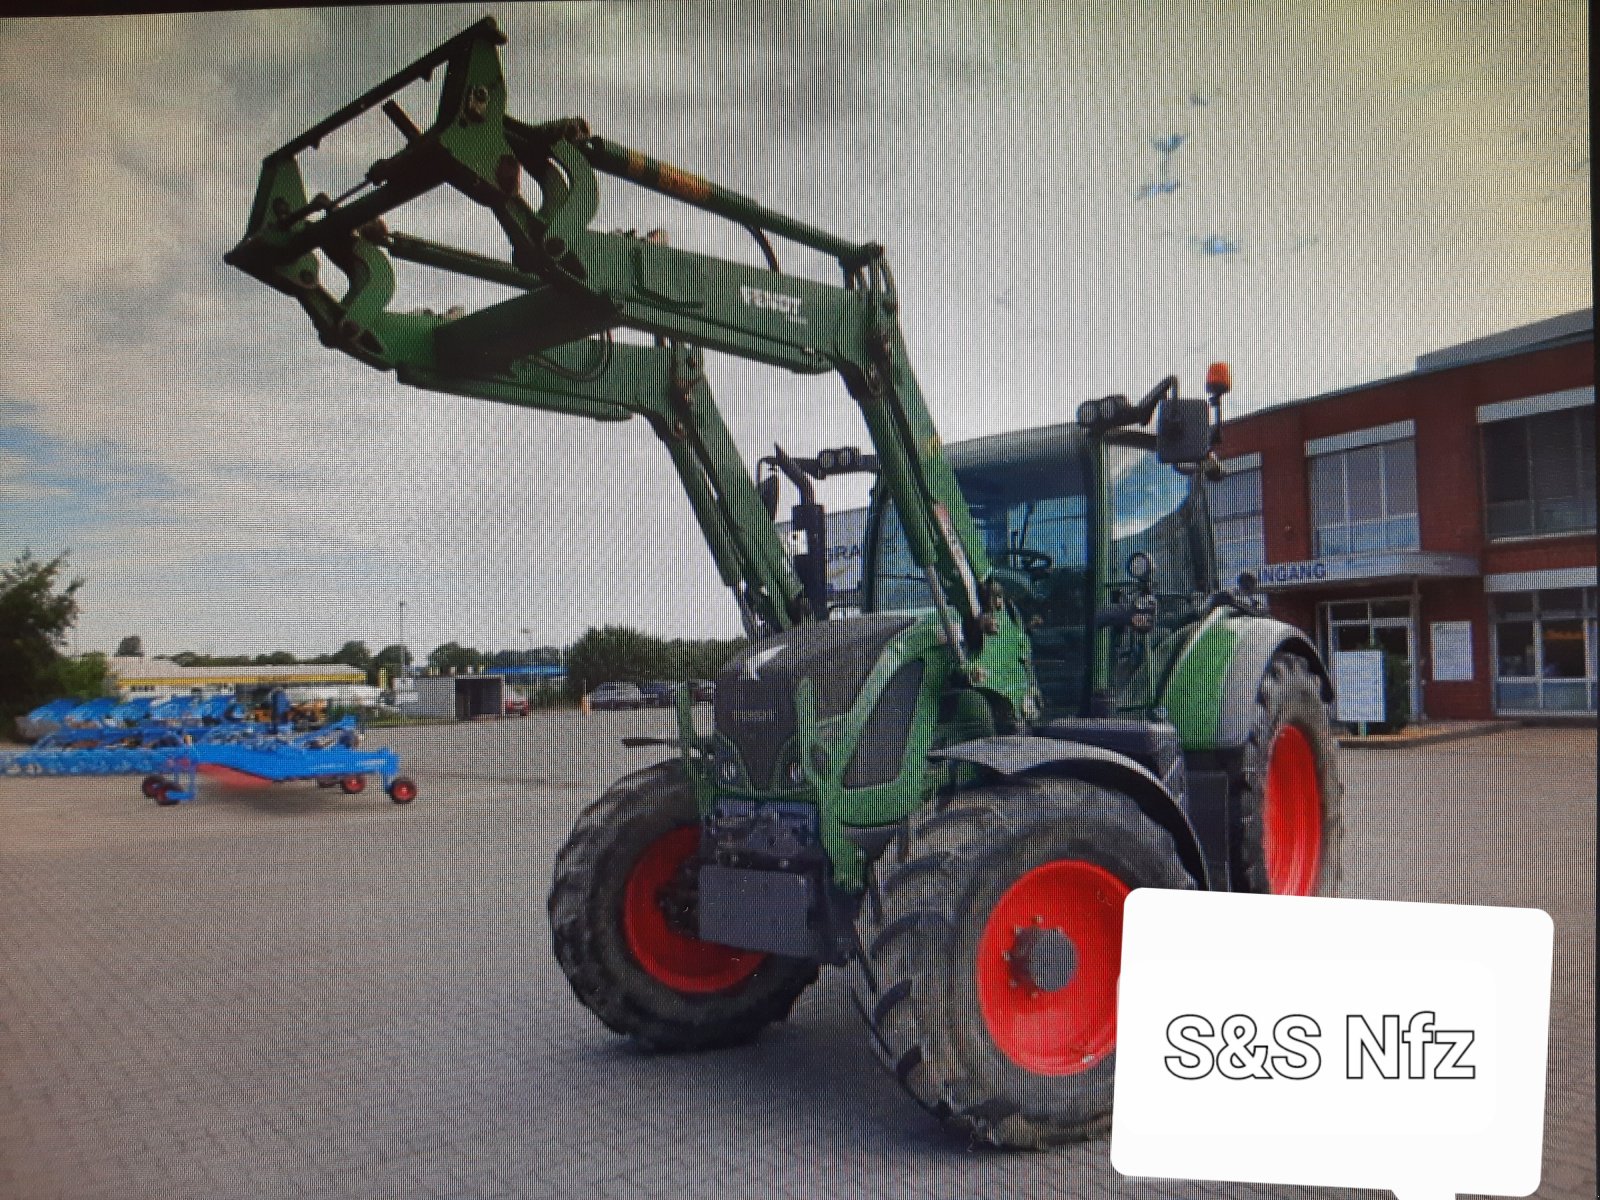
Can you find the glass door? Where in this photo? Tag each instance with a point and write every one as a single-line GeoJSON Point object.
{"type": "Point", "coordinates": [1388, 624]}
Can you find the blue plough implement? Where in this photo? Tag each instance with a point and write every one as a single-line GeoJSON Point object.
{"type": "Point", "coordinates": [170, 745]}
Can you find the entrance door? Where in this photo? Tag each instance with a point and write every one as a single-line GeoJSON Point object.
{"type": "Point", "coordinates": [1388, 624]}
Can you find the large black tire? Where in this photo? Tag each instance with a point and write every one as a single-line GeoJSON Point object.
{"type": "Point", "coordinates": [945, 985]}
{"type": "Point", "coordinates": [683, 994]}
{"type": "Point", "coordinates": [1285, 789]}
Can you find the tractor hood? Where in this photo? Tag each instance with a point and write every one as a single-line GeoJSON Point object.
{"type": "Point", "coordinates": [755, 708]}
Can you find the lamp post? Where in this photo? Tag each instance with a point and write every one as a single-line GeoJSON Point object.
{"type": "Point", "coordinates": [527, 662]}
{"type": "Point", "coordinates": [403, 655]}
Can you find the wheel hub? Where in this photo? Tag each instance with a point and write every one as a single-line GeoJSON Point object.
{"type": "Point", "coordinates": [1043, 959]}
{"type": "Point", "coordinates": [679, 899]}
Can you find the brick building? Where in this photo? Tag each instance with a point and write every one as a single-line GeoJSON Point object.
{"type": "Point", "coordinates": [1447, 514]}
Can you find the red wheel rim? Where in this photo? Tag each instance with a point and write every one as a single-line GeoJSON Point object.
{"type": "Point", "coordinates": [1292, 830]}
{"type": "Point", "coordinates": [1073, 1028]}
{"type": "Point", "coordinates": [351, 784]}
{"type": "Point", "coordinates": [683, 963]}
{"type": "Point", "coordinates": [403, 790]}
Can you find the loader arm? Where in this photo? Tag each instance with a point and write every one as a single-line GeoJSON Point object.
{"type": "Point", "coordinates": [550, 346]}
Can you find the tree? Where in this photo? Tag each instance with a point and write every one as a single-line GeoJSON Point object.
{"type": "Point", "coordinates": [454, 657]}
{"type": "Point", "coordinates": [131, 646]}
{"type": "Point", "coordinates": [388, 660]}
{"type": "Point", "coordinates": [278, 658]}
{"type": "Point", "coordinates": [615, 653]}
{"type": "Point", "coordinates": [352, 654]}
{"type": "Point", "coordinates": [37, 607]}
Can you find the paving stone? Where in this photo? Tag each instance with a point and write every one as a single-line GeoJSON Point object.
{"type": "Point", "coordinates": [289, 992]}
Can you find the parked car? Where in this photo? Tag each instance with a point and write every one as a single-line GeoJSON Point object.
{"type": "Point", "coordinates": [702, 691]}
{"type": "Point", "coordinates": [659, 693]}
{"type": "Point", "coordinates": [517, 706]}
{"type": "Point", "coordinates": [615, 695]}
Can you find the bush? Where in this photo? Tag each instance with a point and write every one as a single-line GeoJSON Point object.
{"type": "Point", "coordinates": [83, 678]}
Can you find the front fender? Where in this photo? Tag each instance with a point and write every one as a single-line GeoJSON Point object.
{"type": "Point", "coordinates": [1014, 755]}
{"type": "Point", "coordinates": [1210, 695]}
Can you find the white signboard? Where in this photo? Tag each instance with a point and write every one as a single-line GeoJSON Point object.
{"type": "Point", "coordinates": [1452, 651]}
{"type": "Point", "coordinates": [1358, 680]}
{"type": "Point", "coordinates": [1332, 1043]}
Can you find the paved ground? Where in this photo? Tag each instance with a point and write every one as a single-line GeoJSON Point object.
{"type": "Point", "coordinates": [289, 992]}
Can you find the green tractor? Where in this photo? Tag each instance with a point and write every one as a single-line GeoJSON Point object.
{"type": "Point", "coordinates": [1047, 702]}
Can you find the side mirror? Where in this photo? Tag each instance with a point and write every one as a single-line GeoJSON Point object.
{"type": "Point", "coordinates": [1183, 430]}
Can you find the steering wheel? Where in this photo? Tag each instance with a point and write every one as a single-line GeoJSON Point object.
{"type": "Point", "coordinates": [1029, 559]}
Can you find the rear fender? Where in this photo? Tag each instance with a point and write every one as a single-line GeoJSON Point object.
{"type": "Point", "coordinates": [1014, 756]}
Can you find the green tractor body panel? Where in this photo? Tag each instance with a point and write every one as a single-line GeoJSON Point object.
{"type": "Point", "coordinates": [1194, 693]}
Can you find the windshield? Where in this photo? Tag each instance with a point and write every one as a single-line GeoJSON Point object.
{"type": "Point", "coordinates": [1033, 517]}
{"type": "Point", "coordinates": [1161, 512]}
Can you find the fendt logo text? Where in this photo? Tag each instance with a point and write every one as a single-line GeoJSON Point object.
{"type": "Point", "coordinates": [788, 306]}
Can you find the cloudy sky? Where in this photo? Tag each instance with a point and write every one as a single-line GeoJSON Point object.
{"type": "Point", "coordinates": [1076, 199]}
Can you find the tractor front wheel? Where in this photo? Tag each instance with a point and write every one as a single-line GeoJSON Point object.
{"type": "Point", "coordinates": [1286, 790]}
{"type": "Point", "coordinates": [624, 917]}
{"type": "Point", "coordinates": [992, 943]}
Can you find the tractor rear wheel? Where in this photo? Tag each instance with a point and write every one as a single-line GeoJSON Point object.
{"type": "Point", "coordinates": [992, 942]}
{"type": "Point", "coordinates": [624, 920]}
{"type": "Point", "coordinates": [1286, 790]}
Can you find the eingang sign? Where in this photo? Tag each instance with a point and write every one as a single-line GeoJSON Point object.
{"type": "Point", "coordinates": [1370, 565]}
{"type": "Point", "coordinates": [1295, 572]}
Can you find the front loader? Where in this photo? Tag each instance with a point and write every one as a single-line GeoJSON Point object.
{"type": "Point", "coordinates": [1047, 704]}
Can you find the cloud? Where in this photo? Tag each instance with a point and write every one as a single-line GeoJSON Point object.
{"type": "Point", "coordinates": [221, 476]}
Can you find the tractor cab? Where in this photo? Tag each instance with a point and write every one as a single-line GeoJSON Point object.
{"type": "Point", "coordinates": [1133, 582]}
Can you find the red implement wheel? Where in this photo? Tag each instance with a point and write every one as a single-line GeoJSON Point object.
{"type": "Point", "coordinates": [992, 941]}
{"type": "Point", "coordinates": [1286, 790]}
{"type": "Point", "coordinates": [353, 785]}
{"type": "Point", "coordinates": [624, 919]}
{"type": "Point", "coordinates": [151, 786]}
{"type": "Point", "coordinates": [402, 790]}
{"type": "Point", "coordinates": [163, 795]}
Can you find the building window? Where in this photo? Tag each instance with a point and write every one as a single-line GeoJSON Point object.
{"type": "Point", "coordinates": [1544, 650]}
{"type": "Point", "coordinates": [1539, 474]}
{"type": "Point", "coordinates": [1365, 498]}
{"type": "Point", "coordinates": [1235, 502]}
